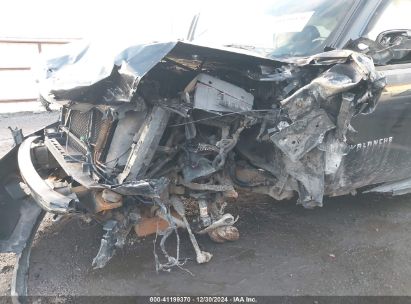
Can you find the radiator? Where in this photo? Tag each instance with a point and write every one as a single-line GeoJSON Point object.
{"type": "Point", "coordinates": [84, 125]}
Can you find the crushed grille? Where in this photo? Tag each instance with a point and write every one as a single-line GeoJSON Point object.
{"type": "Point", "coordinates": [79, 123]}
{"type": "Point", "coordinates": [79, 126]}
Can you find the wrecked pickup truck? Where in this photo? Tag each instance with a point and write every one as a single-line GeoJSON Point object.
{"type": "Point", "coordinates": [162, 136]}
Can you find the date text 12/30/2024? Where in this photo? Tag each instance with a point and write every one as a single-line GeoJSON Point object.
{"type": "Point", "coordinates": [203, 299]}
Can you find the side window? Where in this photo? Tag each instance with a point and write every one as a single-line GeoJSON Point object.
{"type": "Point", "coordinates": [394, 16]}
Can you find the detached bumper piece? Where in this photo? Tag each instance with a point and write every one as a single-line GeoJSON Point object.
{"type": "Point", "coordinates": [47, 198]}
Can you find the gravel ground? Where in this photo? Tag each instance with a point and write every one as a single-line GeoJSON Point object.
{"type": "Point", "coordinates": [29, 122]}
{"type": "Point", "coordinates": [352, 246]}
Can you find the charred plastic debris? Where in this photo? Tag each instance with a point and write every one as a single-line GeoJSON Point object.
{"type": "Point", "coordinates": [166, 135]}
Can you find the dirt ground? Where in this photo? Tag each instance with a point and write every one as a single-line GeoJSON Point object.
{"type": "Point", "coordinates": [352, 246]}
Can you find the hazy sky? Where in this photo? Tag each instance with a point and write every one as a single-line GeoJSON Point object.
{"type": "Point", "coordinates": [80, 18]}
{"type": "Point", "coordinates": [149, 18]}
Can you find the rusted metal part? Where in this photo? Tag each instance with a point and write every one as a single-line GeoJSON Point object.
{"type": "Point", "coordinates": [224, 233]}
{"type": "Point", "coordinates": [225, 220]}
{"type": "Point", "coordinates": [157, 223]}
{"type": "Point", "coordinates": [102, 138]}
{"type": "Point", "coordinates": [148, 226]}
{"type": "Point", "coordinates": [110, 196]}
{"type": "Point", "coordinates": [107, 200]}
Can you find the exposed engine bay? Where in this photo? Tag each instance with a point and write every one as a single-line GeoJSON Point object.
{"type": "Point", "coordinates": [171, 133]}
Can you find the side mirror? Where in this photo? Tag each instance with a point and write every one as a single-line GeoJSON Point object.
{"type": "Point", "coordinates": [391, 36]}
{"type": "Point", "coordinates": [397, 41]}
{"type": "Point", "coordinates": [381, 55]}
{"type": "Point", "coordinates": [389, 47]}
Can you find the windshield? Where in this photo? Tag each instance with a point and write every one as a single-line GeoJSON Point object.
{"type": "Point", "coordinates": [274, 28]}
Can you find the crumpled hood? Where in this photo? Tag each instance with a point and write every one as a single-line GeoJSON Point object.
{"type": "Point", "coordinates": [96, 73]}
